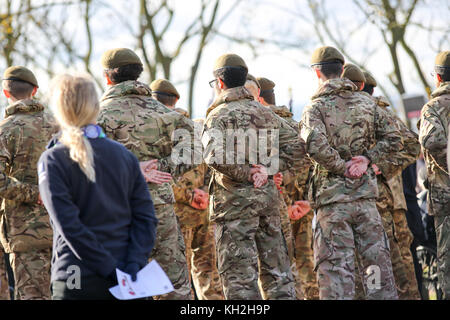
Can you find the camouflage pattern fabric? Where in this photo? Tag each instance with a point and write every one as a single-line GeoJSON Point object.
{"type": "Point", "coordinates": [241, 211]}
{"type": "Point", "coordinates": [339, 124]}
{"type": "Point", "coordinates": [240, 244]}
{"type": "Point", "coordinates": [4, 286]}
{"type": "Point", "coordinates": [132, 117]}
{"type": "Point", "coordinates": [198, 235]}
{"type": "Point", "coordinates": [340, 230]}
{"type": "Point", "coordinates": [24, 133]}
{"type": "Point", "coordinates": [304, 254]}
{"type": "Point", "coordinates": [31, 271]}
{"type": "Point", "coordinates": [434, 123]}
{"type": "Point", "coordinates": [169, 252]}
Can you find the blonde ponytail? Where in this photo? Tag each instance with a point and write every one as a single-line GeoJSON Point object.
{"type": "Point", "coordinates": [75, 104]}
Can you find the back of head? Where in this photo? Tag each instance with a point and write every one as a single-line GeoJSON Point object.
{"type": "Point", "coordinates": [267, 92]}
{"type": "Point", "coordinates": [354, 74]}
{"type": "Point", "coordinates": [165, 92]}
{"type": "Point", "coordinates": [121, 65]}
{"type": "Point", "coordinates": [232, 69]}
{"type": "Point", "coordinates": [252, 85]}
{"type": "Point", "coordinates": [20, 82]}
{"type": "Point", "coordinates": [442, 65]}
{"type": "Point", "coordinates": [329, 61]}
{"type": "Point", "coordinates": [370, 83]}
{"type": "Point", "coordinates": [75, 104]}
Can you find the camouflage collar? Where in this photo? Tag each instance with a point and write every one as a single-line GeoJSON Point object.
{"type": "Point", "coordinates": [229, 95]}
{"type": "Point", "coordinates": [23, 106]}
{"type": "Point", "coordinates": [334, 86]}
{"type": "Point", "coordinates": [282, 111]}
{"type": "Point", "coordinates": [126, 88]}
{"type": "Point", "coordinates": [444, 88]}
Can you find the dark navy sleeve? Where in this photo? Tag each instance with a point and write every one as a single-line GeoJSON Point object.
{"type": "Point", "coordinates": [55, 193]}
{"type": "Point", "coordinates": [143, 220]}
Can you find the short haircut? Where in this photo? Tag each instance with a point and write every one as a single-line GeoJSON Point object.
{"type": "Point", "coordinates": [18, 89]}
{"type": "Point", "coordinates": [268, 96]}
{"type": "Point", "coordinates": [124, 73]}
{"type": "Point", "coordinates": [368, 88]}
{"type": "Point", "coordinates": [444, 72]}
{"type": "Point", "coordinates": [168, 100]}
{"type": "Point", "coordinates": [232, 76]}
{"type": "Point", "coordinates": [330, 69]}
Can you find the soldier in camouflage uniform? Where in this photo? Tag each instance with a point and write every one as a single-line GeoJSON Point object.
{"type": "Point", "coordinates": [25, 231]}
{"type": "Point", "coordinates": [344, 133]}
{"type": "Point", "coordinates": [293, 191]}
{"type": "Point", "coordinates": [242, 197]}
{"type": "Point", "coordinates": [253, 86]}
{"type": "Point", "coordinates": [132, 117]}
{"type": "Point", "coordinates": [4, 286]}
{"type": "Point", "coordinates": [433, 135]}
{"type": "Point", "coordinates": [194, 223]}
{"type": "Point", "coordinates": [403, 269]}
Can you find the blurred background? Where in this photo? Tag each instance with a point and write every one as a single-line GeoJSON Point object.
{"type": "Point", "coordinates": [179, 40]}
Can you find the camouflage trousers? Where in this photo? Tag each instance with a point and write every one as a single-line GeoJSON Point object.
{"type": "Point", "coordinates": [201, 259]}
{"type": "Point", "coordinates": [340, 230]}
{"type": "Point", "coordinates": [31, 274]}
{"type": "Point", "coordinates": [286, 228]}
{"type": "Point", "coordinates": [304, 254]}
{"type": "Point", "coordinates": [442, 225]}
{"type": "Point", "coordinates": [400, 239]}
{"type": "Point", "coordinates": [4, 287]}
{"type": "Point", "coordinates": [252, 247]}
{"type": "Point", "coordinates": [169, 252]}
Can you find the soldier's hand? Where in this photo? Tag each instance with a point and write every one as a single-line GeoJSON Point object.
{"type": "Point", "coordinates": [299, 210]}
{"type": "Point", "coordinates": [156, 176]}
{"type": "Point", "coordinates": [147, 166]}
{"type": "Point", "coordinates": [260, 177]}
{"type": "Point", "coordinates": [200, 200]}
{"type": "Point", "coordinates": [278, 179]}
{"type": "Point", "coordinates": [356, 167]}
{"type": "Point", "coordinates": [376, 169]}
{"type": "Point", "coordinates": [40, 202]}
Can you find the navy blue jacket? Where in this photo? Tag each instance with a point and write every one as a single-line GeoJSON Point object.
{"type": "Point", "coordinates": [97, 226]}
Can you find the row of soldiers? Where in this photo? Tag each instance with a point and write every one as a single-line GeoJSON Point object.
{"type": "Point", "coordinates": [257, 236]}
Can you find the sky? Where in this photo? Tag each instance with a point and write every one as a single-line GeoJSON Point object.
{"type": "Point", "coordinates": [266, 19]}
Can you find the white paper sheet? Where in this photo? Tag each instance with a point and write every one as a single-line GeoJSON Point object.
{"type": "Point", "coordinates": [151, 281]}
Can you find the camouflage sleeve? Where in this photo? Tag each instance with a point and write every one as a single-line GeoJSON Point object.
{"type": "Point", "coordinates": [292, 147]}
{"type": "Point", "coordinates": [394, 165]}
{"type": "Point", "coordinates": [184, 155]}
{"type": "Point", "coordinates": [387, 135]}
{"type": "Point", "coordinates": [185, 186]}
{"type": "Point", "coordinates": [313, 131]}
{"type": "Point", "coordinates": [10, 187]}
{"type": "Point", "coordinates": [433, 136]}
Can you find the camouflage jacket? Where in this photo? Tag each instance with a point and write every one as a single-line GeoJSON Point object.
{"type": "Point", "coordinates": [339, 124]}
{"type": "Point", "coordinates": [434, 123]}
{"type": "Point", "coordinates": [396, 187]}
{"type": "Point", "coordinates": [396, 162]}
{"type": "Point", "coordinates": [24, 133]}
{"type": "Point", "coordinates": [233, 196]}
{"type": "Point", "coordinates": [130, 115]}
{"type": "Point", "coordinates": [293, 182]}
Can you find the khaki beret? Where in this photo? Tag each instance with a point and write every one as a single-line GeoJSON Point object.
{"type": "Point", "coordinates": [165, 87]}
{"type": "Point", "coordinates": [353, 73]}
{"type": "Point", "coordinates": [252, 78]}
{"type": "Point", "coordinates": [265, 83]}
{"type": "Point", "coordinates": [229, 60]}
{"type": "Point", "coordinates": [21, 74]}
{"type": "Point", "coordinates": [119, 57]}
{"type": "Point", "coordinates": [443, 59]}
{"type": "Point", "coordinates": [370, 80]}
{"type": "Point", "coordinates": [326, 54]}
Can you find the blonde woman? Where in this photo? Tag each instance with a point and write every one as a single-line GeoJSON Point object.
{"type": "Point", "coordinates": [97, 199]}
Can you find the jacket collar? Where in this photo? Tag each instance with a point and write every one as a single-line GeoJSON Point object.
{"type": "Point", "coordinates": [23, 106]}
{"type": "Point", "coordinates": [129, 87]}
{"type": "Point", "coordinates": [334, 86]}
{"type": "Point", "coordinates": [444, 88]}
{"type": "Point", "coordinates": [230, 95]}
